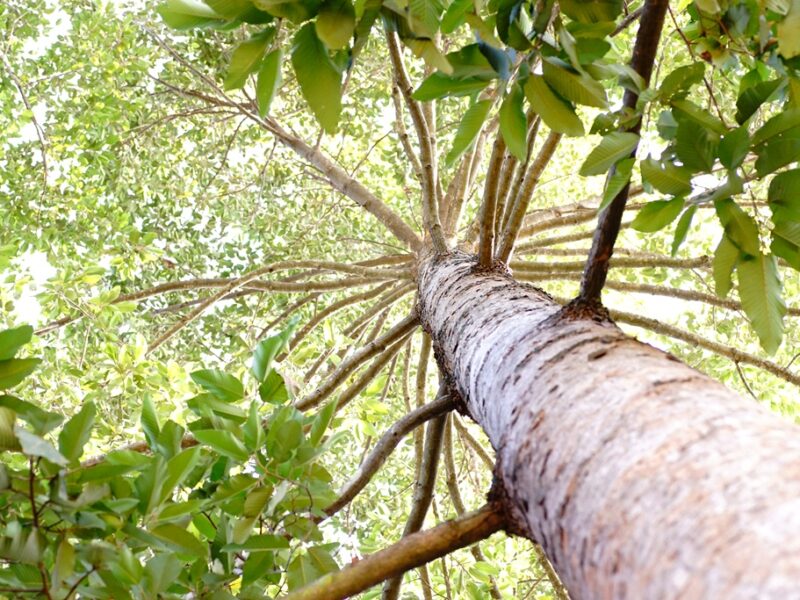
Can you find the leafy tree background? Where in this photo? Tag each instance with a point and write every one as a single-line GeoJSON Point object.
{"type": "Point", "coordinates": [116, 177]}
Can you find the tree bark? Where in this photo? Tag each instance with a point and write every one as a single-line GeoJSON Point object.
{"type": "Point", "coordinates": [639, 476]}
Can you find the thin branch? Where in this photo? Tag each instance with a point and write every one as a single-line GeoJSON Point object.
{"type": "Point", "coordinates": [336, 176]}
{"type": "Point", "coordinates": [332, 309]}
{"type": "Point", "coordinates": [489, 206]}
{"type": "Point", "coordinates": [430, 211]}
{"type": "Point", "coordinates": [458, 502]}
{"type": "Point", "coordinates": [663, 262]}
{"type": "Point", "coordinates": [552, 576]}
{"type": "Point", "coordinates": [400, 127]}
{"type": "Point", "coordinates": [423, 488]}
{"type": "Point", "coordinates": [420, 384]}
{"type": "Point", "coordinates": [476, 447]}
{"type": "Point", "coordinates": [369, 374]}
{"type": "Point", "coordinates": [524, 195]}
{"type": "Point", "coordinates": [408, 553]}
{"type": "Point", "coordinates": [389, 298]}
{"type": "Point", "coordinates": [354, 361]}
{"type": "Point", "coordinates": [626, 22]}
{"type": "Point", "coordinates": [692, 339]}
{"type": "Point", "coordinates": [384, 448]}
{"type": "Point", "coordinates": [644, 51]}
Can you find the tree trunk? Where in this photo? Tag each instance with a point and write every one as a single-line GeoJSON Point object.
{"type": "Point", "coordinates": [640, 477]}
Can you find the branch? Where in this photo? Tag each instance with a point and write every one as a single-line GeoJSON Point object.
{"type": "Point", "coordinates": [423, 488]}
{"type": "Point", "coordinates": [420, 383]}
{"type": "Point", "coordinates": [458, 502]}
{"type": "Point", "coordinates": [389, 298]}
{"type": "Point", "coordinates": [336, 176]}
{"type": "Point", "coordinates": [644, 51]}
{"type": "Point", "coordinates": [524, 195]}
{"type": "Point", "coordinates": [355, 360]}
{"type": "Point", "coordinates": [332, 309]}
{"type": "Point", "coordinates": [695, 340]}
{"type": "Point", "coordinates": [385, 446]}
{"type": "Point", "coordinates": [369, 374]}
{"type": "Point", "coordinates": [430, 211]}
{"type": "Point", "coordinates": [653, 262]}
{"type": "Point", "coordinates": [403, 134]}
{"type": "Point", "coordinates": [489, 206]}
{"type": "Point", "coordinates": [509, 190]}
{"type": "Point", "coordinates": [566, 238]}
{"type": "Point", "coordinates": [479, 450]}
{"type": "Point", "coordinates": [408, 553]}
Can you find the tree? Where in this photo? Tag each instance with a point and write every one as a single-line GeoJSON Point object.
{"type": "Point", "coordinates": [612, 455]}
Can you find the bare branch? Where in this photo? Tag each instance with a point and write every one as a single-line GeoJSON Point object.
{"type": "Point", "coordinates": [384, 448]}
{"type": "Point", "coordinates": [649, 262]}
{"type": "Point", "coordinates": [423, 488]}
{"type": "Point", "coordinates": [409, 552]}
{"type": "Point", "coordinates": [430, 210]}
{"type": "Point", "coordinates": [489, 206]}
{"type": "Point", "coordinates": [644, 51]}
{"type": "Point", "coordinates": [332, 309]}
{"type": "Point", "coordinates": [354, 361]}
{"type": "Point", "coordinates": [695, 340]}
{"type": "Point", "coordinates": [523, 197]}
{"type": "Point", "coordinates": [479, 450]}
{"type": "Point", "coordinates": [456, 499]}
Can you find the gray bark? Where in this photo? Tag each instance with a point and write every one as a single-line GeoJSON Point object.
{"type": "Point", "coordinates": [639, 476]}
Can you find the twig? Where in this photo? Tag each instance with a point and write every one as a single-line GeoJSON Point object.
{"type": "Point", "coordinates": [409, 552]}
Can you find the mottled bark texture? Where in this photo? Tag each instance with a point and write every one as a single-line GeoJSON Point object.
{"type": "Point", "coordinates": [640, 477]}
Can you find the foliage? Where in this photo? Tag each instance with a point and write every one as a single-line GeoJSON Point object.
{"type": "Point", "coordinates": [146, 183]}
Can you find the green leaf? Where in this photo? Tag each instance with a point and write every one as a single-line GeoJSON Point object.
{"type": "Point", "coordinates": [178, 468]}
{"type": "Point", "coordinates": [187, 14]}
{"type": "Point", "coordinates": [740, 227]}
{"type": "Point", "coordinates": [678, 83]}
{"type": "Point", "coordinates": [149, 421]}
{"type": "Point", "coordinates": [658, 214]}
{"type": "Point", "coordinates": [42, 421]}
{"type": "Point", "coordinates": [269, 80]}
{"type": "Point", "coordinates": [684, 110]}
{"type": "Point", "coordinates": [223, 442]}
{"type": "Point", "coordinates": [786, 243]}
{"type": "Point", "coordinates": [780, 123]}
{"type": "Point", "coordinates": [76, 433]}
{"type": "Point", "coordinates": [257, 543]}
{"type": "Point", "coordinates": [12, 340]}
{"type": "Point", "coordinates": [319, 78]}
{"type": "Point", "coordinates": [34, 445]}
{"type": "Point", "coordinates": [725, 258]}
{"type": "Point", "coordinates": [666, 177]}
{"type": "Point", "coordinates": [454, 16]}
{"type": "Point", "coordinates": [682, 228]}
{"type": "Point", "coordinates": [779, 151]}
{"type": "Point", "coordinates": [788, 40]}
{"type": "Point", "coordinates": [557, 114]}
{"type": "Point", "coordinates": [14, 370]}
{"type": "Point", "coordinates": [252, 430]}
{"type": "Point", "coordinates": [423, 17]}
{"type": "Point", "coordinates": [612, 147]}
{"type": "Point", "coordinates": [162, 571]}
{"type": "Point", "coordinates": [751, 99]}
{"type": "Point", "coordinates": [696, 147]}
{"type": "Point", "coordinates": [591, 11]}
{"type": "Point", "coordinates": [273, 390]}
{"type": "Point", "coordinates": [268, 348]}
{"type": "Point", "coordinates": [618, 180]}
{"type": "Point", "coordinates": [335, 24]}
{"type": "Point", "coordinates": [514, 123]}
{"type": "Point", "coordinates": [183, 541]}
{"type": "Point", "coordinates": [321, 422]}
{"type": "Point", "coordinates": [430, 53]}
{"type": "Point", "coordinates": [760, 293]}
{"type": "Point", "coordinates": [784, 196]}
{"type": "Point", "coordinates": [438, 85]}
{"type": "Point", "coordinates": [225, 387]}
{"type": "Point", "coordinates": [468, 129]}
{"type": "Point", "coordinates": [577, 88]}
{"type": "Point", "coordinates": [246, 58]}
{"type": "Point", "coordinates": [734, 148]}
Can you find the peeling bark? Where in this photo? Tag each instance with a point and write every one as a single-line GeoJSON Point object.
{"type": "Point", "coordinates": [639, 476]}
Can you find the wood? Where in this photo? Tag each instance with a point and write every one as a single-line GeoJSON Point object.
{"type": "Point", "coordinates": [639, 476]}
